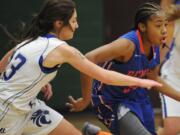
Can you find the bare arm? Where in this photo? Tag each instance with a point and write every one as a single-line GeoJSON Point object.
{"type": "Point", "coordinates": [81, 63]}
{"type": "Point", "coordinates": [165, 89]}
{"type": "Point", "coordinates": [116, 49]}
{"type": "Point", "coordinates": [77, 60]}
{"type": "Point", "coordinates": [68, 54]}
{"type": "Point", "coordinates": [4, 60]}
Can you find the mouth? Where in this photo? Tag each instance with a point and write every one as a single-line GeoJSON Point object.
{"type": "Point", "coordinates": [163, 40]}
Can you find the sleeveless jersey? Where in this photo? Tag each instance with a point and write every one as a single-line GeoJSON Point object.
{"type": "Point", "coordinates": [25, 75]}
{"type": "Point", "coordinates": [137, 66]}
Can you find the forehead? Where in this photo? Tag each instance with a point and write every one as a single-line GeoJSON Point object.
{"type": "Point", "coordinates": [159, 16]}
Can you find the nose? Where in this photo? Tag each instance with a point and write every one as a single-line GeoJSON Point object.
{"type": "Point", "coordinates": [77, 25]}
{"type": "Point", "coordinates": [164, 30]}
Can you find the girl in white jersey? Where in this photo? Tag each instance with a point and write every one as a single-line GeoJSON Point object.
{"type": "Point", "coordinates": [34, 62]}
{"type": "Point", "coordinates": [170, 73]}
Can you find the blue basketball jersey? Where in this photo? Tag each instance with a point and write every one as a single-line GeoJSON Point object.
{"type": "Point", "coordinates": [135, 98]}
{"type": "Point", "coordinates": [137, 66]}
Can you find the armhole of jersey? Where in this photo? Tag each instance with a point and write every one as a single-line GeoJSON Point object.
{"type": "Point", "coordinates": [45, 53]}
{"type": "Point", "coordinates": [45, 69]}
{"type": "Point", "coordinates": [134, 39]}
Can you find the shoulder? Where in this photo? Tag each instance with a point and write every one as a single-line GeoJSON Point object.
{"type": "Point", "coordinates": [66, 50]}
{"type": "Point", "coordinates": [131, 36]}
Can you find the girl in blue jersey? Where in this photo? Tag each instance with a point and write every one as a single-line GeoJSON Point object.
{"type": "Point", "coordinates": [34, 62]}
{"type": "Point", "coordinates": [128, 109]}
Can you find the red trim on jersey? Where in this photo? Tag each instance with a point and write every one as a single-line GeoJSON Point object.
{"type": "Point", "coordinates": [140, 41]}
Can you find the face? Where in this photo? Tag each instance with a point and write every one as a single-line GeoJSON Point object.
{"type": "Point", "coordinates": [67, 31]}
{"type": "Point", "coordinates": [156, 29]}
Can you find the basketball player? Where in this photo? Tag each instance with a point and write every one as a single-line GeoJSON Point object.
{"type": "Point", "coordinates": [136, 53]}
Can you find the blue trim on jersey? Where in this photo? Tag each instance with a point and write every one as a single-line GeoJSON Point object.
{"type": "Point", "coordinates": [49, 36]}
{"type": "Point", "coordinates": [45, 69]}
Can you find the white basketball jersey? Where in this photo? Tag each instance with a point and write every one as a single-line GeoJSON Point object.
{"type": "Point", "coordinates": [25, 76]}
{"type": "Point", "coordinates": [171, 68]}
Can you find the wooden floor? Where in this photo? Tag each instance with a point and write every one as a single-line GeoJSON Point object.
{"type": "Point", "coordinates": [78, 119]}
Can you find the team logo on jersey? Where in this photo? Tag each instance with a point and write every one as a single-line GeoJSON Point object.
{"type": "Point", "coordinates": [40, 117]}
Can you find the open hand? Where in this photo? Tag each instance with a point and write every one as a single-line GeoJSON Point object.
{"type": "Point", "coordinates": [76, 105]}
{"type": "Point", "coordinates": [47, 90]}
{"type": "Point", "coordinates": [149, 83]}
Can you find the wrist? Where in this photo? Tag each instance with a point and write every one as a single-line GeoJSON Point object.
{"type": "Point", "coordinates": [86, 101]}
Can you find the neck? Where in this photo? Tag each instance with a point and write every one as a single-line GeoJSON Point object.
{"type": "Point", "coordinates": [147, 45]}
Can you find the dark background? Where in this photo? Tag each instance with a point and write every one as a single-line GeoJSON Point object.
{"type": "Point", "coordinates": [100, 22]}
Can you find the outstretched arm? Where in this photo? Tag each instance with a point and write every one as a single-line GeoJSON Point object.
{"type": "Point", "coordinates": [81, 63]}
{"type": "Point", "coordinates": [104, 53]}
{"type": "Point", "coordinates": [67, 54]}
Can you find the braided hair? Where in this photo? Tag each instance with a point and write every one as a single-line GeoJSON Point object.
{"type": "Point", "coordinates": [145, 11]}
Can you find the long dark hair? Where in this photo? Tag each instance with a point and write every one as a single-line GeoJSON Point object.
{"type": "Point", "coordinates": [145, 11]}
{"type": "Point", "coordinates": [51, 11]}
{"type": "Point", "coordinates": [42, 22]}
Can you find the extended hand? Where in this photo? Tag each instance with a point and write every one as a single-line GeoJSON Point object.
{"type": "Point", "coordinates": [76, 105]}
{"type": "Point", "coordinates": [47, 90]}
{"type": "Point", "coordinates": [150, 83]}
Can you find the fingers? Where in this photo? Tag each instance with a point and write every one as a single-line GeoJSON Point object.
{"type": "Point", "coordinates": [71, 103]}
{"type": "Point", "coordinates": [152, 83]}
{"type": "Point", "coordinates": [71, 99]}
{"type": "Point", "coordinates": [155, 84]}
{"type": "Point", "coordinates": [72, 109]}
{"type": "Point", "coordinates": [47, 90]}
{"type": "Point", "coordinates": [158, 84]}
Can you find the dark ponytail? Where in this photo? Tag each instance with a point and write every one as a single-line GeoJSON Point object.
{"type": "Point", "coordinates": [52, 10]}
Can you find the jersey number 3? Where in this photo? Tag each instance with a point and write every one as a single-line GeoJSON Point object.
{"type": "Point", "coordinates": [20, 60]}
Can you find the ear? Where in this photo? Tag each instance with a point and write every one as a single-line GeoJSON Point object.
{"type": "Point", "coordinates": [142, 27]}
{"type": "Point", "coordinates": [58, 24]}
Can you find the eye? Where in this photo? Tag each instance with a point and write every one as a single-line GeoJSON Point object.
{"type": "Point", "coordinates": [158, 25]}
{"type": "Point", "coordinates": [74, 21]}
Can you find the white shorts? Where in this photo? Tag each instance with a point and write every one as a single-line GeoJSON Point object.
{"type": "Point", "coordinates": [40, 121]}
{"type": "Point", "coordinates": [170, 107]}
